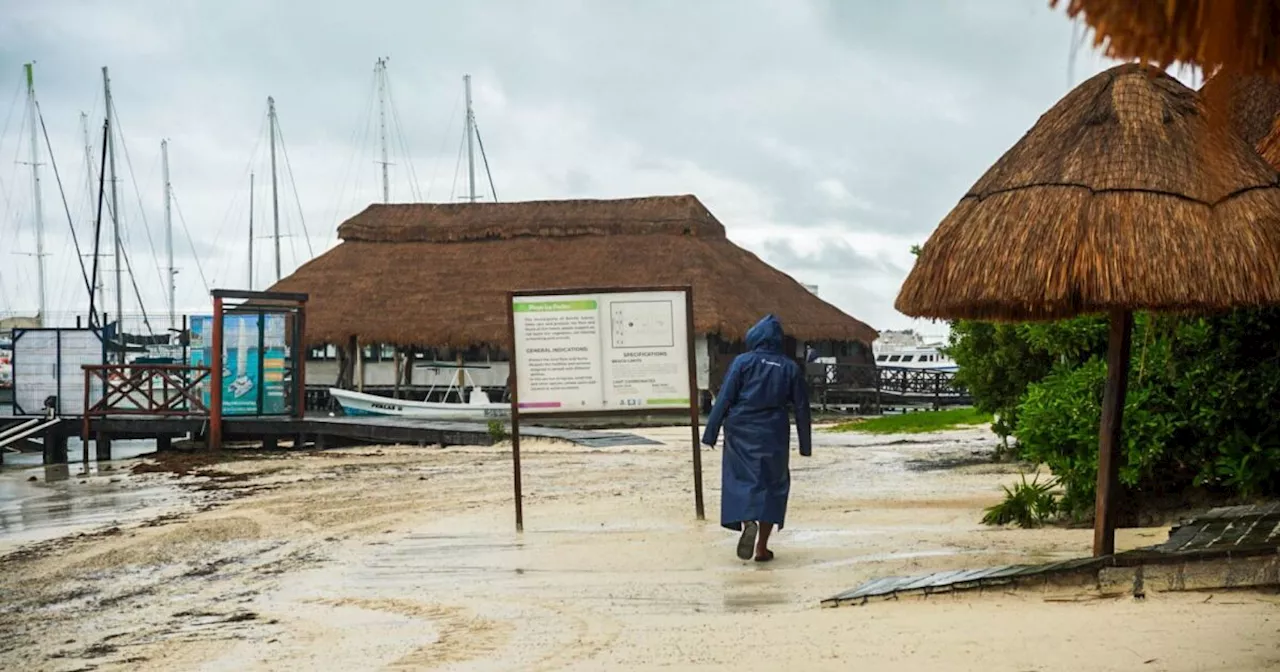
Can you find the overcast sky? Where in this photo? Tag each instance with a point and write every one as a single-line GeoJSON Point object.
{"type": "Point", "coordinates": [828, 136]}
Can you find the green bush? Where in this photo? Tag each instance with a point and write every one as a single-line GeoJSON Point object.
{"type": "Point", "coordinates": [996, 363]}
{"type": "Point", "coordinates": [1059, 427]}
{"type": "Point", "coordinates": [1202, 410]}
{"type": "Point", "coordinates": [497, 431]}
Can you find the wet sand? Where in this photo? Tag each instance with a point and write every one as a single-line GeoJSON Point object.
{"type": "Point", "coordinates": [406, 558]}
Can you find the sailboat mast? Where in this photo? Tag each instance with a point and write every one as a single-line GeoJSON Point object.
{"type": "Point", "coordinates": [37, 194]}
{"type": "Point", "coordinates": [168, 232]}
{"type": "Point", "coordinates": [275, 196]}
{"type": "Point", "coordinates": [381, 70]}
{"type": "Point", "coordinates": [88, 169]}
{"type": "Point", "coordinates": [471, 133]}
{"type": "Point", "coordinates": [115, 202]}
{"type": "Point", "coordinates": [251, 232]}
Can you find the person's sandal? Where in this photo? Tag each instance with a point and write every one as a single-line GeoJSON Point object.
{"type": "Point", "coordinates": [768, 555]}
{"type": "Point", "coordinates": [747, 542]}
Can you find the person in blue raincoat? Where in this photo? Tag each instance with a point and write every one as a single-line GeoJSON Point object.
{"type": "Point", "coordinates": [761, 386]}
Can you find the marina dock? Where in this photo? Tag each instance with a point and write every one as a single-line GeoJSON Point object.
{"type": "Point", "coordinates": [318, 432]}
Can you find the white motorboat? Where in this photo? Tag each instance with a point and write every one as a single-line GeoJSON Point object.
{"type": "Point", "coordinates": [907, 350]}
{"type": "Point", "coordinates": [478, 406]}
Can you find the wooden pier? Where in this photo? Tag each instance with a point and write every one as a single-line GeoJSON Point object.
{"type": "Point", "coordinates": [875, 388]}
{"type": "Point", "coordinates": [163, 402]}
{"type": "Point", "coordinates": [317, 432]}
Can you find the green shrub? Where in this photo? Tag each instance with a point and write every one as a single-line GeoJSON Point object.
{"type": "Point", "coordinates": [497, 431]}
{"type": "Point", "coordinates": [1201, 410]}
{"type": "Point", "coordinates": [1026, 505]}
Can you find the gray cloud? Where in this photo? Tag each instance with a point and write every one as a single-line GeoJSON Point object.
{"type": "Point", "coordinates": [854, 123]}
{"type": "Point", "coordinates": [831, 257]}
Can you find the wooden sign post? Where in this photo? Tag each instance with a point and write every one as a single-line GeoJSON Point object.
{"type": "Point", "coordinates": [602, 352]}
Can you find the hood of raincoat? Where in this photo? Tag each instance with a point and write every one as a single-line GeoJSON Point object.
{"type": "Point", "coordinates": [766, 335]}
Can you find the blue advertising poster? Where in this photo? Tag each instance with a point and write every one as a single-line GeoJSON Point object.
{"type": "Point", "coordinates": [273, 356]}
{"type": "Point", "coordinates": [253, 361]}
{"type": "Point", "coordinates": [198, 353]}
{"type": "Point", "coordinates": [240, 361]}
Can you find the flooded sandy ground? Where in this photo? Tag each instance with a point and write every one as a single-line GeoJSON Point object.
{"type": "Point", "coordinates": [407, 558]}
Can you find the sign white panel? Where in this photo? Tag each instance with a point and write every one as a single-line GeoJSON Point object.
{"type": "Point", "coordinates": [79, 347]}
{"type": "Point", "coordinates": [35, 369]}
{"type": "Point", "coordinates": [49, 362]}
{"type": "Point", "coordinates": [602, 352]}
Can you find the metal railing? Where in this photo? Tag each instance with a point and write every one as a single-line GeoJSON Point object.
{"type": "Point", "coordinates": [873, 386]}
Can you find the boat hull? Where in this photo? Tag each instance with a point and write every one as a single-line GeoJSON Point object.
{"type": "Point", "coordinates": [358, 403]}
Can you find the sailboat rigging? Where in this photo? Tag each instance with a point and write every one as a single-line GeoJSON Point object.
{"type": "Point", "coordinates": [475, 404]}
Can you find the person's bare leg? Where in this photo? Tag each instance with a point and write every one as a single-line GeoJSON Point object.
{"type": "Point", "coordinates": [762, 539]}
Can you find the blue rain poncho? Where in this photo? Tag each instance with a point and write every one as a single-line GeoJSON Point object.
{"type": "Point", "coordinates": [752, 407]}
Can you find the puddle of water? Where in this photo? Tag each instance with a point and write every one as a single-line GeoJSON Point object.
{"type": "Point", "coordinates": [38, 503]}
{"type": "Point", "coordinates": [906, 555]}
{"type": "Point", "coordinates": [754, 601]}
{"type": "Point", "coordinates": [35, 512]}
{"type": "Point", "coordinates": [120, 450]}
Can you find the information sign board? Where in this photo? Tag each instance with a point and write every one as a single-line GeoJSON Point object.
{"type": "Point", "coordinates": [612, 351]}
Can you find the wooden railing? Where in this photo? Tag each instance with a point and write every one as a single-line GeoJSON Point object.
{"type": "Point", "coordinates": [144, 389]}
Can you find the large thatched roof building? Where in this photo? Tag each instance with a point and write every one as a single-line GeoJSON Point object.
{"type": "Point", "coordinates": [437, 275]}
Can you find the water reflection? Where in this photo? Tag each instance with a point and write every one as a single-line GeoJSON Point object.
{"type": "Point", "coordinates": [120, 450]}
{"type": "Point", "coordinates": [40, 502]}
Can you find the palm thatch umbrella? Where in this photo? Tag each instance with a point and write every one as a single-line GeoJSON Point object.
{"type": "Point", "coordinates": [1253, 104]}
{"type": "Point", "coordinates": [1107, 206]}
{"type": "Point", "coordinates": [1238, 36]}
{"type": "Point", "coordinates": [1269, 147]}
{"type": "Point", "coordinates": [1229, 40]}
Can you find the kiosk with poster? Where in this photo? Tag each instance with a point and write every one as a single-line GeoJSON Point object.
{"type": "Point", "coordinates": [253, 344]}
{"type": "Point", "coordinates": [253, 369]}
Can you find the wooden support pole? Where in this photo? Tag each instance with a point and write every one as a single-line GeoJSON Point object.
{"type": "Point", "coordinates": [164, 443]}
{"type": "Point", "coordinates": [103, 447]}
{"type": "Point", "coordinates": [1119, 342]}
{"type": "Point", "coordinates": [215, 378]}
{"type": "Point", "coordinates": [359, 365]}
{"type": "Point", "coordinates": [398, 359]}
{"type": "Point", "coordinates": [516, 486]}
{"type": "Point", "coordinates": [300, 361]}
{"type": "Point", "coordinates": [344, 367]}
{"type": "Point", "coordinates": [694, 418]}
{"type": "Point", "coordinates": [55, 446]}
{"type": "Point", "coordinates": [460, 376]}
{"type": "Point", "coordinates": [513, 391]}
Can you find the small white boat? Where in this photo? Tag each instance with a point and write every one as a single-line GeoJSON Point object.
{"type": "Point", "coordinates": [478, 406]}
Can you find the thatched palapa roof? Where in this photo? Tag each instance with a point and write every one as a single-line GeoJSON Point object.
{"type": "Point", "coordinates": [1253, 104]}
{"type": "Point", "coordinates": [1121, 196]}
{"type": "Point", "coordinates": [1232, 40]}
{"type": "Point", "coordinates": [1239, 36]}
{"type": "Point", "coordinates": [437, 275]}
